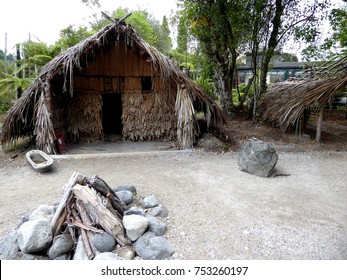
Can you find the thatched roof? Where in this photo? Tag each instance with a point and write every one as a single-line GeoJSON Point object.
{"type": "Point", "coordinates": [30, 115]}
{"type": "Point", "coordinates": [284, 103]}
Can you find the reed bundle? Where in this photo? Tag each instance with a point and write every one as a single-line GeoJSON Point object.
{"type": "Point", "coordinates": [146, 117]}
{"type": "Point", "coordinates": [185, 118]}
{"type": "Point", "coordinates": [44, 130]}
{"type": "Point", "coordinates": [84, 117]}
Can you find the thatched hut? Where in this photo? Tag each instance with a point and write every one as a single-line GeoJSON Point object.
{"type": "Point", "coordinates": [112, 82]}
{"type": "Point", "coordinates": [286, 104]}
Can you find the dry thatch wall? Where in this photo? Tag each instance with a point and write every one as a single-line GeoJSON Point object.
{"type": "Point", "coordinates": [44, 130]}
{"type": "Point", "coordinates": [186, 118]}
{"type": "Point", "coordinates": [84, 120]}
{"type": "Point", "coordinates": [284, 103]}
{"type": "Point", "coordinates": [146, 116]}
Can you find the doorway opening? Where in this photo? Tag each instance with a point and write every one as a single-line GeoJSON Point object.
{"type": "Point", "coordinates": [112, 113]}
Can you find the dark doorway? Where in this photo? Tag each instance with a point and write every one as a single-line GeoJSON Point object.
{"type": "Point", "coordinates": [112, 113]}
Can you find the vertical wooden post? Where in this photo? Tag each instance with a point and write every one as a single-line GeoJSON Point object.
{"type": "Point", "coordinates": [19, 74]}
{"type": "Point", "coordinates": [319, 124]}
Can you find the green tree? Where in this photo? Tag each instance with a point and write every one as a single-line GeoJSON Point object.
{"type": "Point", "coordinates": [146, 26]}
{"type": "Point", "coordinates": [20, 73]}
{"type": "Point", "coordinates": [273, 22]}
{"type": "Point", "coordinates": [219, 25]}
{"type": "Point", "coordinates": [336, 44]}
{"type": "Point", "coordinates": [182, 35]}
{"type": "Point", "coordinates": [164, 40]}
{"type": "Point", "coordinates": [9, 84]}
{"type": "Point", "coordinates": [71, 36]}
{"type": "Point", "coordinates": [227, 29]}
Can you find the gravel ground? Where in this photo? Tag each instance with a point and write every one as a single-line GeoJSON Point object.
{"type": "Point", "coordinates": [216, 211]}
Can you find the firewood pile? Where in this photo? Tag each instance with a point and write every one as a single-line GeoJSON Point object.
{"type": "Point", "coordinates": [89, 205]}
{"type": "Point", "coordinates": [92, 221]}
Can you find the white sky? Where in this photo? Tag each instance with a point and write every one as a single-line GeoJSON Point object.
{"type": "Point", "coordinates": [45, 18]}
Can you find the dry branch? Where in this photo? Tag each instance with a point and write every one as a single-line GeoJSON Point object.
{"type": "Point", "coordinates": [60, 213]}
{"type": "Point", "coordinates": [101, 186]}
{"type": "Point", "coordinates": [100, 213]}
{"type": "Point", "coordinates": [85, 238]}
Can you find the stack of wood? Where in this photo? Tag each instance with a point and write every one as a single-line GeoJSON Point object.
{"type": "Point", "coordinates": [89, 205]}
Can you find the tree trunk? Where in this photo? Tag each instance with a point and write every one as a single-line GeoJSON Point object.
{"type": "Point", "coordinates": [272, 44]}
{"type": "Point", "coordinates": [224, 89]}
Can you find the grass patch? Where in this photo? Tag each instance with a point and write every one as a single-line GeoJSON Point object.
{"type": "Point", "coordinates": [19, 145]}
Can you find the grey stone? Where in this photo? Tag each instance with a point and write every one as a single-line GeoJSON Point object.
{"type": "Point", "coordinates": [35, 256]}
{"type": "Point", "coordinates": [149, 201]}
{"type": "Point", "coordinates": [107, 256]}
{"type": "Point", "coordinates": [64, 257]}
{"type": "Point", "coordinates": [126, 196]}
{"type": "Point", "coordinates": [62, 244]}
{"type": "Point", "coordinates": [104, 242]}
{"type": "Point", "coordinates": [126, 188]}
{"type": "Point", "coordinates": [158, 211]}
{"type": "Point", "coordinates": [44, 211]}
{"type": "Point", "coordinates": [135, 226]}
{"type": "Point", "coordinates": [258, 158]}
{"type": "Point", "coordinates": [134, 211]}
{"type": "Point", "coordinates": [80, 252]}
{"type": "Point", "coordinates": [156, 226]}
{"type": "Point", "coordinates": [126, 252]}
{"type": "Point", "coordinates": [152, 247]}
{"type": "Point", "coordinates": [9, 246]}
{"type": "Point", "coordinates": [34, 236]}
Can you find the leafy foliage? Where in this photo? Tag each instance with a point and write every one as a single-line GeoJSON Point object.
{"type": "Point", "coordinates": [71, 36]}
{"type": "Point", "coordinates": [146, 26]}
{"type": "Point", "coordinates": [336, 43]}
{"type": "Point", "coordinates": [9, 85]}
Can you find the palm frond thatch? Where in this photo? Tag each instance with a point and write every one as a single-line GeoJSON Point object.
{"type": "Point", "coordinates": [284, 103]}
{"type": "Point", "coordinates": [31, 114]}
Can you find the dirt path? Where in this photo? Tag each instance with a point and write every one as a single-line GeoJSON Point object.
{"type": "Point", "coordinates": [216, 211]}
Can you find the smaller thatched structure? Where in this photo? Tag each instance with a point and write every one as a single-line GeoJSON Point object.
{"type": "Point", "coordinates": [285, 104]}
{"type": "Point", "coordinates": [112, 82]}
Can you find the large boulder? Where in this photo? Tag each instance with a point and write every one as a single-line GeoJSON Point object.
{"type": "Point", "coordinates": [62, 244]}
{"type": "Point", "coordinates": [156, 226]}
{"type": "Point", "coordinates": [135, 226]}
{"type": "Point", "coordinates": [34, 236]}
{"type": "Point", "coordinates": [158, 211]}
{"type": "Point", "coordinates": [44, 211]}
{"type": "Point", "coordinates": [103, 242]}
{"type": "Point", "coordinates": [149, 201]}
{"type": "Point", "coordinates": [125, 196]}
{"type": "Point", "coordinates": [258, 158]}
{"type": "Point", "coordinates": [9, 246]}
{"type": "Point", "coordinates": [152, 247]}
